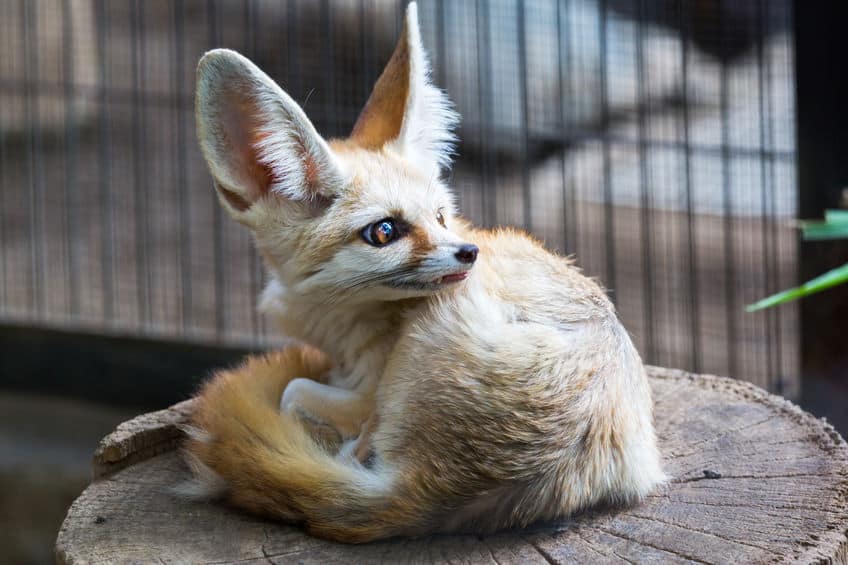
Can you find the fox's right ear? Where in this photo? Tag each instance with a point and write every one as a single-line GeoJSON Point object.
{"type": "Point", "coordinates": [405, 110]}
{"type": "Point", "coordinates": [256, 140]}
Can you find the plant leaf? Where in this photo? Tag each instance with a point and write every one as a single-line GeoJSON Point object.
{"type": "Point", "coordinates": [836, 216]}
{"type": "Point", "coordinates": [830, 279]}
{"type": "Point", "coordinates": [834, 226]}
{"type": "Point", "coordinates": [822, 230]}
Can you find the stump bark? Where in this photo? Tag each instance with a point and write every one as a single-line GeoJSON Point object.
{"type": "Point", "coordinates": [755, 480]}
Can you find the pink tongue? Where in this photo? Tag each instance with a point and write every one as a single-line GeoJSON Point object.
{"type": "Point", "coordinates": [456, 277]}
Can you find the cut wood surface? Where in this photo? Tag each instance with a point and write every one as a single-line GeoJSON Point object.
{"type": "Point", "coordinates": [755, 480]}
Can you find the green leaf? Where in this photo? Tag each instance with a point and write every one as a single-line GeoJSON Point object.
{"type": "Point", "coordinates": [815, 232]}
{"type": "Point", "coordinates": [834, 226]}
{"type": "Point", "coordinates": [830, 279]}
{"type": "Point", "coordinates": [836, 216]}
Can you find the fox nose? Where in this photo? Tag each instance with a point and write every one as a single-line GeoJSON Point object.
{"type": "Point", "coordinates": [467, 253]}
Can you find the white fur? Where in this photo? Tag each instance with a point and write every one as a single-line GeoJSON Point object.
{"type": "Point", "coordinates": [426, 137]}
{"type": "Point", "coordinates": [228, 86]}
{"type": "Point", "coordinates": [204, 484]}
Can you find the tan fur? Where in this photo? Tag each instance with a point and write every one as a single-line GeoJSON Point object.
{"type": "Point", "coordinates": [509, 397]}
{"type": "Point", "coordinates": [382, 116]}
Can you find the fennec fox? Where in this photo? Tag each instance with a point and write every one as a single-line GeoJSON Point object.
{"type": "Point", "coordinates": [479, 381]}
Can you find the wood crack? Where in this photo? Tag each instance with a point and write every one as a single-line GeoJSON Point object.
{"type": "Point", "coordinates": [589, 544]}
{"type": "Point", "coordinates": [758, 477]}
{"type": "Point", "coordinates": [545, 555]}
{"type": "Point", "coordinates": [674, 552]}
{"type": "Point", "coordinates": [764, 508]}
{"type": "Point", "coordinates": [705, 532]}
{"type": "Point", "coordinates": [492, 554]}
{"type": "Point", "coordinates": [721, 435]}
{"type": "Point", "coordinates": [623, 558]}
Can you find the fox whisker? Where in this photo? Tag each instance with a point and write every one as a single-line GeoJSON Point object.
{"type": "Point", "coordinates": [363, 281]}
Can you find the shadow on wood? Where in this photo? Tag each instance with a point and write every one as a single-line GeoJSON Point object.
{"type": "Point", "coordinates": [756, 479]}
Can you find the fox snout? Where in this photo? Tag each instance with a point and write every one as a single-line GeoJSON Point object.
{"type": "Point", "coordinates": [467, 253]}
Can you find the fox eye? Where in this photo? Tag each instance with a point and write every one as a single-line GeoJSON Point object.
{"type": "Point", "coordinates": [441, 218]}
{"type": "Point", "coordinates": [380, 233]}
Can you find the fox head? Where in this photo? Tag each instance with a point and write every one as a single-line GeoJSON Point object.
{"type": "Point", "coordinates": [366, 216]}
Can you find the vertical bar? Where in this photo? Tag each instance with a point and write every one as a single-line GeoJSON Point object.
{"type": "Point", "coordinates": [441, 40]}
{"type": "Point", "coordinates": [778, 385]}
{"type": "Point", "coordinates": [34, 165]}
{"type": "Point", "coordinates": [692, 264]}
{"type": "Point", "coordinates": [251, 26]}
{"type": "Point", "coordinates": [184, 248]}
{"type": "Point", "coordinates": [525, 114]}
{"type": "Point", "coordinates": [442, 22]}
{"type": "Point", "coordinates": [565, 91]}
{"type": "Point", "coordinates": [484, 98]}
{"type": "Point", "coordinates": [293, 49]}
{"type": "Point", "coordinates": [645, 204]}
{"type": "Point", "coordinates": [730, 298]}
{"type": "Point", "coordinates": [70, 186]}
{"type": "Point", "coordinates": [217, 219]}
{"type": "Point", "coordinates": [141, 197]}
{"type": "Point", "coordinates": [4, 167]}
{"type": "Point", "coordinates": [775, 236]}
{"type": "Point", "coordinates": [778, 323]}
{"type": "Point", "coordinates": [104, 159]}
{"type": "Point", "coordinates": [365, 52]}
{"type": "Point", "coordinates": [768, 266]}
{"type": "Point", "coordinates": [400, 6]}
{"type": "Point", "coordinates": [562, 126]}
{"type": "Point", "coordinates": [329, 69]}
{"type": "Point", "coordinates": [609, 215]}
{"type": "Point", "coordinates": [789, 42]}
{"type": "Point", "coordinates": [5, 306]}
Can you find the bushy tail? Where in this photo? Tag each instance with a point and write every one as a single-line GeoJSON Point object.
{"type": "Point", "coordinates": [268, 463]}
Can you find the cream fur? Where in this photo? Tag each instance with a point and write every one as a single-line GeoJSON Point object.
{"type": "Point", "coordinates": [510, 397]}
{"type": "Point", "coordinates": [426, 136]}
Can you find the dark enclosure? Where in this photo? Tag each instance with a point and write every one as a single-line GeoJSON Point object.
{"type": "Point", "coordinates": [653, 139]}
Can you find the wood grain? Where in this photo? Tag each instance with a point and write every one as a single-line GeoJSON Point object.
{"type": "Point", "coordinates": [756, 480]}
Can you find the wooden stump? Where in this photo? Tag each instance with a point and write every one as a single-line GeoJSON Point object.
{"type": "Point", "coordinates": [756, 479]}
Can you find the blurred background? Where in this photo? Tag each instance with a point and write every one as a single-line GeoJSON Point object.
{"type": "Point", "coordinates": [665, 143]}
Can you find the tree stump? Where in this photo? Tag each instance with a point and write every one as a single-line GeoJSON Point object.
{"type": "Point", "coordinates": [755, 479]}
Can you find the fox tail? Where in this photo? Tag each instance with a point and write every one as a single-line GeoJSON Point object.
{"type": "Point", "coordinates": [242, 447]}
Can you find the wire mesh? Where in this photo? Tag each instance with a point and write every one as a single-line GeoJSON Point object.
{"type": "Point", "coordinates": [653, 139]}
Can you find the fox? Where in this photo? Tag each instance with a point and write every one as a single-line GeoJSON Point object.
{"type": "Point", "coordinates": [441, 377]}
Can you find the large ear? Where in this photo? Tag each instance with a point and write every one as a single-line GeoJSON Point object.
{"type": "Point", "coordinates": [405, 109]}
{"type": "Point", "coordinates": [256, 140]}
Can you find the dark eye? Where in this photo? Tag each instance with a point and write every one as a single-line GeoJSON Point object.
{"type": "Point", "coordinates": [380, 233]}
{"type": "Point", "coordinates": [440, 218]}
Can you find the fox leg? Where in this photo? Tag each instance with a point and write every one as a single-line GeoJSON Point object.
{"type": "Point", "coordinates": [344, 410]}
{"type": "Point", "coordinates": [362, 449]}
{"type": "Point", "coordinates": [265, 376]}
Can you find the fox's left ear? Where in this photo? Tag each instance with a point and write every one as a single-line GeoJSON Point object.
{"type": "Point", "coordinates": [257, 141]}
{"type": "Point", "coordinates": [406, 110]}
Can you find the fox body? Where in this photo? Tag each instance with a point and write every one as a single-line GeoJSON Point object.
{"type": "Point", "coordinates": [471, 379]}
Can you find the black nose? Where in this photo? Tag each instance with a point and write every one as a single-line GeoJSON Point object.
{"type": "Point", "coordinates": [467, 253]}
